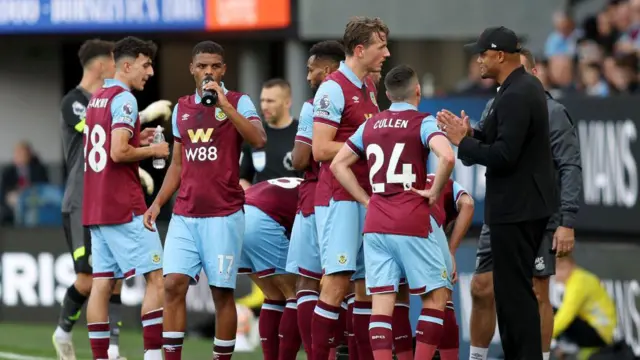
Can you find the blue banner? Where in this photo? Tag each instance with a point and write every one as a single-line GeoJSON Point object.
{"type": "Point", "coordinates": [73, 16]}
{"type": "Point", "coordinates": [471, 178]}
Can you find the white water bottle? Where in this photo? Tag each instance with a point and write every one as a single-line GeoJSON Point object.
{"type": "Point", "coordinates": [158, 137]}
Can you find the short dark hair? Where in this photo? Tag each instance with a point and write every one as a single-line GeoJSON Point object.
{"type": "Point", "coordinates": [531, 60]}
{"type": "Point", "coordinates": [132, 47]}
{"type": "Point", "coordinates": [328, 50]}
{"type": "Point", "coordinates": [359, 30]}
{"type": "Point", "coordinates": [94, 48]}
{"type": "Point", "coordinates": [278, 82]}
{"type": "Point", "coordinates": [207, 47]}
{"type": "Point", "coordinates": [399, 82]}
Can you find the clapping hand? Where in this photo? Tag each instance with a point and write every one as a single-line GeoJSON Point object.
{"type": "Point", "coordinates": [456, 128]}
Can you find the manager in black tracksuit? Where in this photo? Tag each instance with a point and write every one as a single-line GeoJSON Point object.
{"type": "Point", "coordinates": [521, 190]}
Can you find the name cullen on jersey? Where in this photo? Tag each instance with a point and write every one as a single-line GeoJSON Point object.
{"type": "Point", "coordinates": [391, 123]}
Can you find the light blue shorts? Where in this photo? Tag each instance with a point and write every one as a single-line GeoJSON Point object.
{"type": "Point", "coordinates": [265, 247]}
{"type": "Point", "coordinates": [304, 252]}
{"type": "Point", "coordinates": [341, 242]}
{"type": "Point", "coordinates": [444, 248]}
{"type": "Point", "coordinates": [446, 253]}
{"type": "Point", "coordinates": [390, 257]}
{"type": "Point", "coordinates": [212, 243]}
{"type": "Point", "coordinates": [321, 219]}
{"type": "Point", "coordinates": [124, 250]}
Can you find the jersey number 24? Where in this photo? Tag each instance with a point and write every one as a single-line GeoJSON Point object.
{"type": "Point", "coordinates": [406, 177]}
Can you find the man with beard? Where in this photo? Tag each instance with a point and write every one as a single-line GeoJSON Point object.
{"type": "Point", "coordinates": [521, 191]}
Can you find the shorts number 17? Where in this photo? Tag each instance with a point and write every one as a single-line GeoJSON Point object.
{"type": "Point", "coordinates": [221, 261]}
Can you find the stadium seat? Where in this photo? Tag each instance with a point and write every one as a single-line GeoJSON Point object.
{"type": "Point", "coordinates": [39, 205]}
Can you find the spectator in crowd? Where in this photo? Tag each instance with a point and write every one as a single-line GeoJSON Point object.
{"type": "Point", "coordinates": [625, 80]}
{"type": "Point", "coordinates": [25, 171]}
{"type": "Point", "coordinates": [592, 81]}
{"type": "Point", "coordinates": [598, 58]}
{"type": "Point", "coordinates": [273, 161]}
{"type": "Point", "coordinates": [629, 41]}
{"type": "Point", "coordinates": [474, 84]}
{"type": "Point", "coordinates": [599, 27]}
{"type": "Point", "coordinates": [564, 39]}
{"type": "Point", "coordinates": [561, 74]}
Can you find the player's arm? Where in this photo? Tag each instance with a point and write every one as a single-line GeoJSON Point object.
{"type": "Point", "coordinates": [341, 166]}
{"type": "Point", "coordinates": [301, 153]}
{"type": "Point", "coordinates": [328, 105]}
{"type": "Point", "coordinates": [124, 113]}
{"type": "Point", "coordinates": [247, 171]}
{"type": "Point", "coordinates": [436, 141]}
{"type": "Point", "coordinates": [245, 118]}
{"type": "Point", "coordinates": [73, 113]}
{"type": "Point", "coordinates": [513, 126]}
{"type": "Point", "coordinates": [171, 181]}
{"type": "Point", "coordinates": [465, 207]}
{"type": "Point", "coordinates": [565, 149]}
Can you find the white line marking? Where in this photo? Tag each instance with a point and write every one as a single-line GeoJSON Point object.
{"type": "Point", "coordinates": [14, 356]}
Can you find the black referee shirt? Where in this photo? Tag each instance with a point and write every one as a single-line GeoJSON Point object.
{"type": "Point", "coordinates": [272, 161]}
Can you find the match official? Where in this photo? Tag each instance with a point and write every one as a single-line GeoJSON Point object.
{"type": "Point", "coordinates": [521, 191]}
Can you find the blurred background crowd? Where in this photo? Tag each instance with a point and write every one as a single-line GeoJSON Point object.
{"type": "Point", "coordinates": [594, 55]}
{"type": "Point", "coordinates": [587, 53]}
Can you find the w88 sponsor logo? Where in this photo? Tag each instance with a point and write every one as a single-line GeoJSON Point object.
{"type": "Point", "coordinates": [202, 153]}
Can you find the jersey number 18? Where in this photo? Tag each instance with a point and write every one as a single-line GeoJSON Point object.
{"type": "Point", "coordinates": [97, 156]}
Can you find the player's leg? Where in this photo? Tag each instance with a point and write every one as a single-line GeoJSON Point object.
{"type": "Point", "coordinates": [307, 292]}
{"type": "Point", "coordinates": [264, 253]}
{"type": "Point", "coordinates": [449, 347]}
{"type": "Point", "coordinates": [450, 342]}
{"type": "Point", "coordinates": [544, 268]}
{"type": "Point", "coordinates": [271, 313]}
{"type": "Point", "coordinates": [383, 276]}
{"type": "Point", "coordinates": [288, 332]}
{"type": "Point", "coordinates": [352, 344]}
{"type": "Point", "coordinates": [182, 266]}
{"type": "Point", "coordinates": [304, 259]}
{"type": "Point", "coordinates": [483, 307]}
{"type": "Point", "coordinates": [138, 252]}
{"type": "Point", "coordinates": [344, 325]}
{"type": "Point", "coordinates": [278, 314]}
{"type": "Point", "coordinates": [105, 270]}
{"type": "Point", "coordinates": [426, 271]}
{"type": "Point", "coordinates": [220, 242]}
{"type": "Point", "coordinates": [341, 231]}
{"type": "Point", "coordinates": [77, 294]}
{"type": "Point", "coordinates": [362, 306]}
{"type": "Point", "coordinates": [402, 330]}
{"type": "Point", "coordinates": [115, 321]}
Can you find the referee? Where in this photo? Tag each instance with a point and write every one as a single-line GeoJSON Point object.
{"type": "Point", "coordinates": [521, 191]}
{"type": "Point", "coordinates": [96, 58]}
